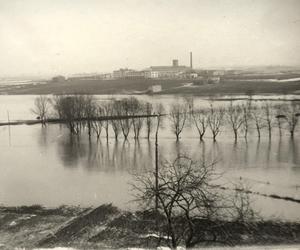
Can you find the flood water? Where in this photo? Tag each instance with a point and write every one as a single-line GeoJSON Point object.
{"type": "Point", "coordinates": [48, 166]}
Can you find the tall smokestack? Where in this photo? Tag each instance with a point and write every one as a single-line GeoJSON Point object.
{"type": "Point", "coordinates": [191, 60]}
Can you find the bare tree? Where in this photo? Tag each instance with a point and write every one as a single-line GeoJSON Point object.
{"type": "Point", "coordinates": [115, 124]}
{"type": "Point", "coordinates": [178, 116]}
{"type": "Point", "coordinates": [235, 118]}
{"type": "Point", "coordinates": [291, 114]}
{"type": "Point", "coordinates": [184, 194]}
{"type": "Point", "coordinates": [149, 120]}
{"type": "Point", "coordinates": [200, 117]}
{"type": "Point", "coordinates": [41, 108]}
{"type": "Point", "coordinates": [137, 108]}
{"type": "Point", "coordinates": [247, 117]}
{"type": "Point", "coordinates": [215, 120]}
{"type": "Point", "coordinates": [268, 114]}
{"type": "Point", "coordinates": [108, 109]}
{"type": "Point", "coordinates": [90, 111]}
{"type": "Point", "coordinates": [97, 124]}
{"type": "Point", "coordinates": [65, 107]}
{"type": "Point", "coordinates": [124, 108]}
{"type": "Point", "coordinates": [257, 115]}
{"type": "Point", "coordinates": [279, 115]}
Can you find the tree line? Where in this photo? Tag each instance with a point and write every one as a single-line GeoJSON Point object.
{"type": "Point", "coordinates": [240, 118]}
{"type": "Point", "coordinates": [84, 113]}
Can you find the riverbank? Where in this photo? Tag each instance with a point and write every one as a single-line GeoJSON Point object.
{"type": "Point", "coordinates": [109, 227]}
{"type": "Point", "coordinates": [141, 86]}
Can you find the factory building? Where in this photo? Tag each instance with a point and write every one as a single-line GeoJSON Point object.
{"type": "Point", "coordinates": [173, 71]}
{"type": "Point", "coordinates": [128, 73]}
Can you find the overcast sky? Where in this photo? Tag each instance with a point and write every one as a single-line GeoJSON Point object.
{"type": "Point", "coordinates": [49, 37]}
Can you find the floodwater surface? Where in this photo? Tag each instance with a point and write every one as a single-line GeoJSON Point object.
{"type": "Point", "coordinates": [48, 166]}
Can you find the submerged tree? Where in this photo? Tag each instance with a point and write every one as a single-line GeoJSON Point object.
{"type": "Point", "coordinates": [247, 117]}
{"type": "Point", "coordinates": [149, 120]}
{"type": "Point", "coordinates": [200, 118]}
{"type": "Point", "coordinates": [66, 109]}
{"type": "Point", "coordinates": [178, 116]}
{"type": "Point", "coordinates": [115, 124]}
{"type": "Point", "coordinates": [108, 108]}
{"type": "Point", "coordinates": [235, 118]}
{"type": "Point", "coordinates": [41, 108]}
{"type": "Point", "coordinates": [215, 120]}
{"type": "Point", "coordinates": [290, 114]}
{"type": "Point", "coordinates": [97, 123]}
{"type": "Point", "coordinates": [90, 112]}
{"type": "Point", "coordinates": [123, 109]}
{"type": "Point", "coordinates": [138, 109]}
{"type": "Point", "coordinates": [279, 110]}
{"type": "Point", "coordinates": [268, 115]}
{"type": "Point", "coordinates": [259, 121]}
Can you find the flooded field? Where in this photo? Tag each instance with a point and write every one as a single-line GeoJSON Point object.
{"type": "Point", "coordinates": [48, 166]}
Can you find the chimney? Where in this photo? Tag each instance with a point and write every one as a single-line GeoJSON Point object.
{"type": "Point", "coordinates": [191, 60]}
{"type": "Point", "coordinates": [175, 63]}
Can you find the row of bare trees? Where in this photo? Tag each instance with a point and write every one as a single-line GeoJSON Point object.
{"type": "Point", "coordinates": [83, 112]}
{"type": "Point", "coordinates": [240, 118]}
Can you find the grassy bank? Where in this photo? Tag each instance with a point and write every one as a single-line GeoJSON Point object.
{"type": "Point", "coordinates": [109, 227]}
{"type": "Point", "coordinates": [140, 86]}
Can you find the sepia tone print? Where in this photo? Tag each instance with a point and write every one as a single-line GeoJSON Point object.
{"type": "Point", "coordinates": [152, 124]}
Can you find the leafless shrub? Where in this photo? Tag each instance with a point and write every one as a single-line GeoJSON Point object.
{"type": "Point", "coordinates": [241, 209]}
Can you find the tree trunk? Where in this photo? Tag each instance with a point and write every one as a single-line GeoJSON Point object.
{"type": "Point", "coordinates": [201, 137]}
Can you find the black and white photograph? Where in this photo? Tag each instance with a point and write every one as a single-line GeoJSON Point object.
{"type": "Point", "coordinates": [150, 124]}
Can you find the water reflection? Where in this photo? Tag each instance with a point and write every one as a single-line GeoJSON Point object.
{"type": "Point", "coordinates": [102, 155]}
{"type": "Point", "coordinates": [55, 160]}
{"type": "Point", "coordinates": [258, 161]}
{"type": "Point", "coordinates": [294, 150]}
{"type": "Point", "coordinates": [71, 150]}
{"type": "Point", "coordinates": [117, 155]}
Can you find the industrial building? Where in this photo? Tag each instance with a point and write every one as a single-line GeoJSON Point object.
{"type": "Point", "coordinates": [173, 71]}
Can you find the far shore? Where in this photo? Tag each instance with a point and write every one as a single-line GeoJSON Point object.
{"type": "Point", "coordinates": [142, 86]}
